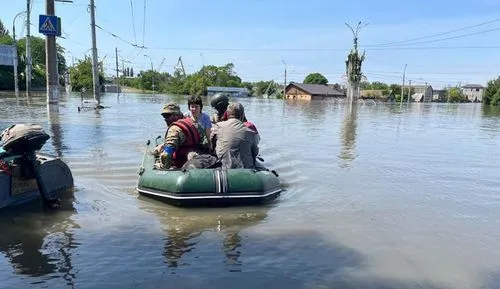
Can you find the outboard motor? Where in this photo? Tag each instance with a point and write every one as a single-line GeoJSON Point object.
{"type": "Point", "coordinates": [24, 140]}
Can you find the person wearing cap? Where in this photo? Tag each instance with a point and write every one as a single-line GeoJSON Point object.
{"type": "Point", "coordinates": [183, 137]}
{"type": "Point", "coordinates": [195, 106]}
{"type": "Point", "coordinates": [236, 145]}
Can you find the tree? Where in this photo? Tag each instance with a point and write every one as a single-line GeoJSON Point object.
{"type": "Point", "coordinates": [377, 85]}
{"type": "Point", "coordinates": [81, 75]}
{"type": "Point", "coordinates": [492, 92]}
{"type": "Point", "coordinates": [3, 30]}
{"type": "Point", "coordinates": [455, 95]}
{"type": "Point", "coordinates": [262, 87]}
{"type": "Point", "coordinates": [364, 85]}
{"type": "Point", "coordinates": [37, 60]}
{"type": "Point", "coordinates": [315, 78]}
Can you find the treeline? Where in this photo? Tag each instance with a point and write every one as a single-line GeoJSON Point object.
{"type": "Point", "coordinates": [197, 82]}
{"type": "Point", "coordinates": [37, 60]}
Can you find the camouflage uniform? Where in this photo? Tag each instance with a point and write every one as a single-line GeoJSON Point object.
{"type": "Point", "coordinates": [175, 137]}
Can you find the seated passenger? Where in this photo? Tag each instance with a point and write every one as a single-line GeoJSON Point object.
{"type": "Point", "coordinates": [195, 106]}
{"type": "Point", "coordinates": [183, 137]}
{"type": "Point", "coordinates": [236, 145]}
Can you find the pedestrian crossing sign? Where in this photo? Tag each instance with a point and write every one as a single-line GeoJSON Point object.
{"type": "Point", "coordinates": [49, 25]}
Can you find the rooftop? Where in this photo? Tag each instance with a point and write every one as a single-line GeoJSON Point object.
{"type": "Point", "coordinates": [317, 89]}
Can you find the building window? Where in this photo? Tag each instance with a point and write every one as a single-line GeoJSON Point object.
{"type": "Point", "coordinates": [477, 89]}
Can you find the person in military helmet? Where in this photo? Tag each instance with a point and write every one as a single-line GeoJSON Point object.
{"type": "Point", "coordinates": [219, 102]}
{"type": "Point", "coordinates": [183, 137]}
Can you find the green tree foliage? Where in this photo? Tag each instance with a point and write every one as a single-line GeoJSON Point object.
{"type": "Point", "coordinates": [379, 85]}
{"type": "Point", "coordinates": [262, 87]}
{"type": "Point", "coordinates": [193, 84]}
{"type": "Point", "coordinates": [455, 95]}
{"type": "Point", "coordinates": [492, 92]}
{"type": "Point", "coordinates": [316, 78]}
{"type": "Point", "coordinates": [3, 30]}
{"type": "Point", "coordinates": [37, 60]}
{"type": "Point", "coordinates": [81, 75]}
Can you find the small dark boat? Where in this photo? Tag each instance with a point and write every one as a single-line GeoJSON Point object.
{"type": "Point", "coordinates": [27, 175]}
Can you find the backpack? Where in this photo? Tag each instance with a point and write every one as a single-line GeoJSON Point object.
{"type": "Point", "coordinates": [204, 161]}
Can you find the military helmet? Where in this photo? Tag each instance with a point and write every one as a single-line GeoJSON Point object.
{"type": "Point", "coordinates": [219, 101]}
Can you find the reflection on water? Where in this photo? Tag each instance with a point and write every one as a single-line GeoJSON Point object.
{"type": "Point", "coordinates": [55, 129]}
{"type": "Point", "coordinates": [411, 215]}
{"type": "Point", "coordinates": [491, 111]}
{"type": "Point", "coordinates": [39, 243]}
{"type": "Point", "coordinates": [348, 135]}
{"type": "Point", "coordinates": [183, 227]}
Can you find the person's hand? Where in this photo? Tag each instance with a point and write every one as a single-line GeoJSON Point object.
{"type": "Point", "coordinates": [158, 149]}
{"type": "Point", "coordinates": [165, 160]}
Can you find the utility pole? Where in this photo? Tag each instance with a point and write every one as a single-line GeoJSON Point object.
{"type": "Point", "coordinates": [117, 81]}
{"type": "Point", "coordinates": [152, 74]}
{"type": "Point", "coordinates": [14, 47]}
{"type": "Point", "coordinates": [284, 86]}
{"type": "Point", "coordinates": [28, 48]}
{"type": "Point", "coordinates": [95, 68]}
{"type": "Point", "coordinates": [403, 86]}
{"type": "Point", "coordinates": [409, 91]}
{"type": "Point", "coordinates": [51, 60]}
{"type": "Point", "coordinates": [353, 66]}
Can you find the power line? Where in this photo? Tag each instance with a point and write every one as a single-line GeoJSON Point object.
{"type": "Point", "coordinates": [144, 24]}
{"type": "Point", "coordinates": [436, 34]}
{"type": "Point", "coordinates": [455, 37]}
{"type": "Point", "coordinates": [133, 21]}
{"type": "Point", "coordinates": [233, 49]}
{"type": "Point", "coordinates": [118, 37]}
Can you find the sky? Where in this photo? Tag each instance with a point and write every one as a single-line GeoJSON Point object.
{"type": "Point", "coordinates": [441, 42]}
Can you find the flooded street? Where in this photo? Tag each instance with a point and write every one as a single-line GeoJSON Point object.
{"type": "Point", "coordinates": [377, 196]}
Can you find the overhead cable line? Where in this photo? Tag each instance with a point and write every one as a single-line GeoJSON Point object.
{"type": "Point", "coordinates": [118, 37]}
{"type": "Point", "coordinates": [436, 34]}
{"type": "Point", "coordinates": [133, 20]}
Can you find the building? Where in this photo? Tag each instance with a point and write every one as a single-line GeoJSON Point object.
{"type": "Point", "coordinates": [233, 91]}
{"type": "Point", "coordinates": [422, 93]}
{"type": "Point", "coordinates": [473, 92]}
{"type": "Point", "coordinates": [305, 91]}
{"type": "Point", "coordinates": [439, 95]}
{"type": "Point", "coordinates": [112, 88]}
{"type": "Point", "coordinates": [373, 93]}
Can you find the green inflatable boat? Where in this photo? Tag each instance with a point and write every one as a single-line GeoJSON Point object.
{"type": "Point", "coordinates": [206, 187]}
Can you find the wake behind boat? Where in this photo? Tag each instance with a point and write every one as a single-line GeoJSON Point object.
{"type": "Point", "coordinates": [206, 187]}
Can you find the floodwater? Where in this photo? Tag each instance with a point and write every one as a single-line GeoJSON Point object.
{"type": "Point", "coordinates": [377, 196]}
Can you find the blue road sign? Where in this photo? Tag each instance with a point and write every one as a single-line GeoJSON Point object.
{"type": "Point", "coordinates": [49, 25]}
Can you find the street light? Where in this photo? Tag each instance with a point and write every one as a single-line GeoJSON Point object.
{"type": "Point", "coordinates": [153, 73]}
{"type": "Point", "coordinates": [16, 81]}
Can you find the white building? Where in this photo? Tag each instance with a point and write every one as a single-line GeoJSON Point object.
{"type": "Point", "coordinates": [473, 92]}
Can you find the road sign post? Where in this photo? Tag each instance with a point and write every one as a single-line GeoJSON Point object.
{"type": "Point", "coordinates": [49, 25]}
